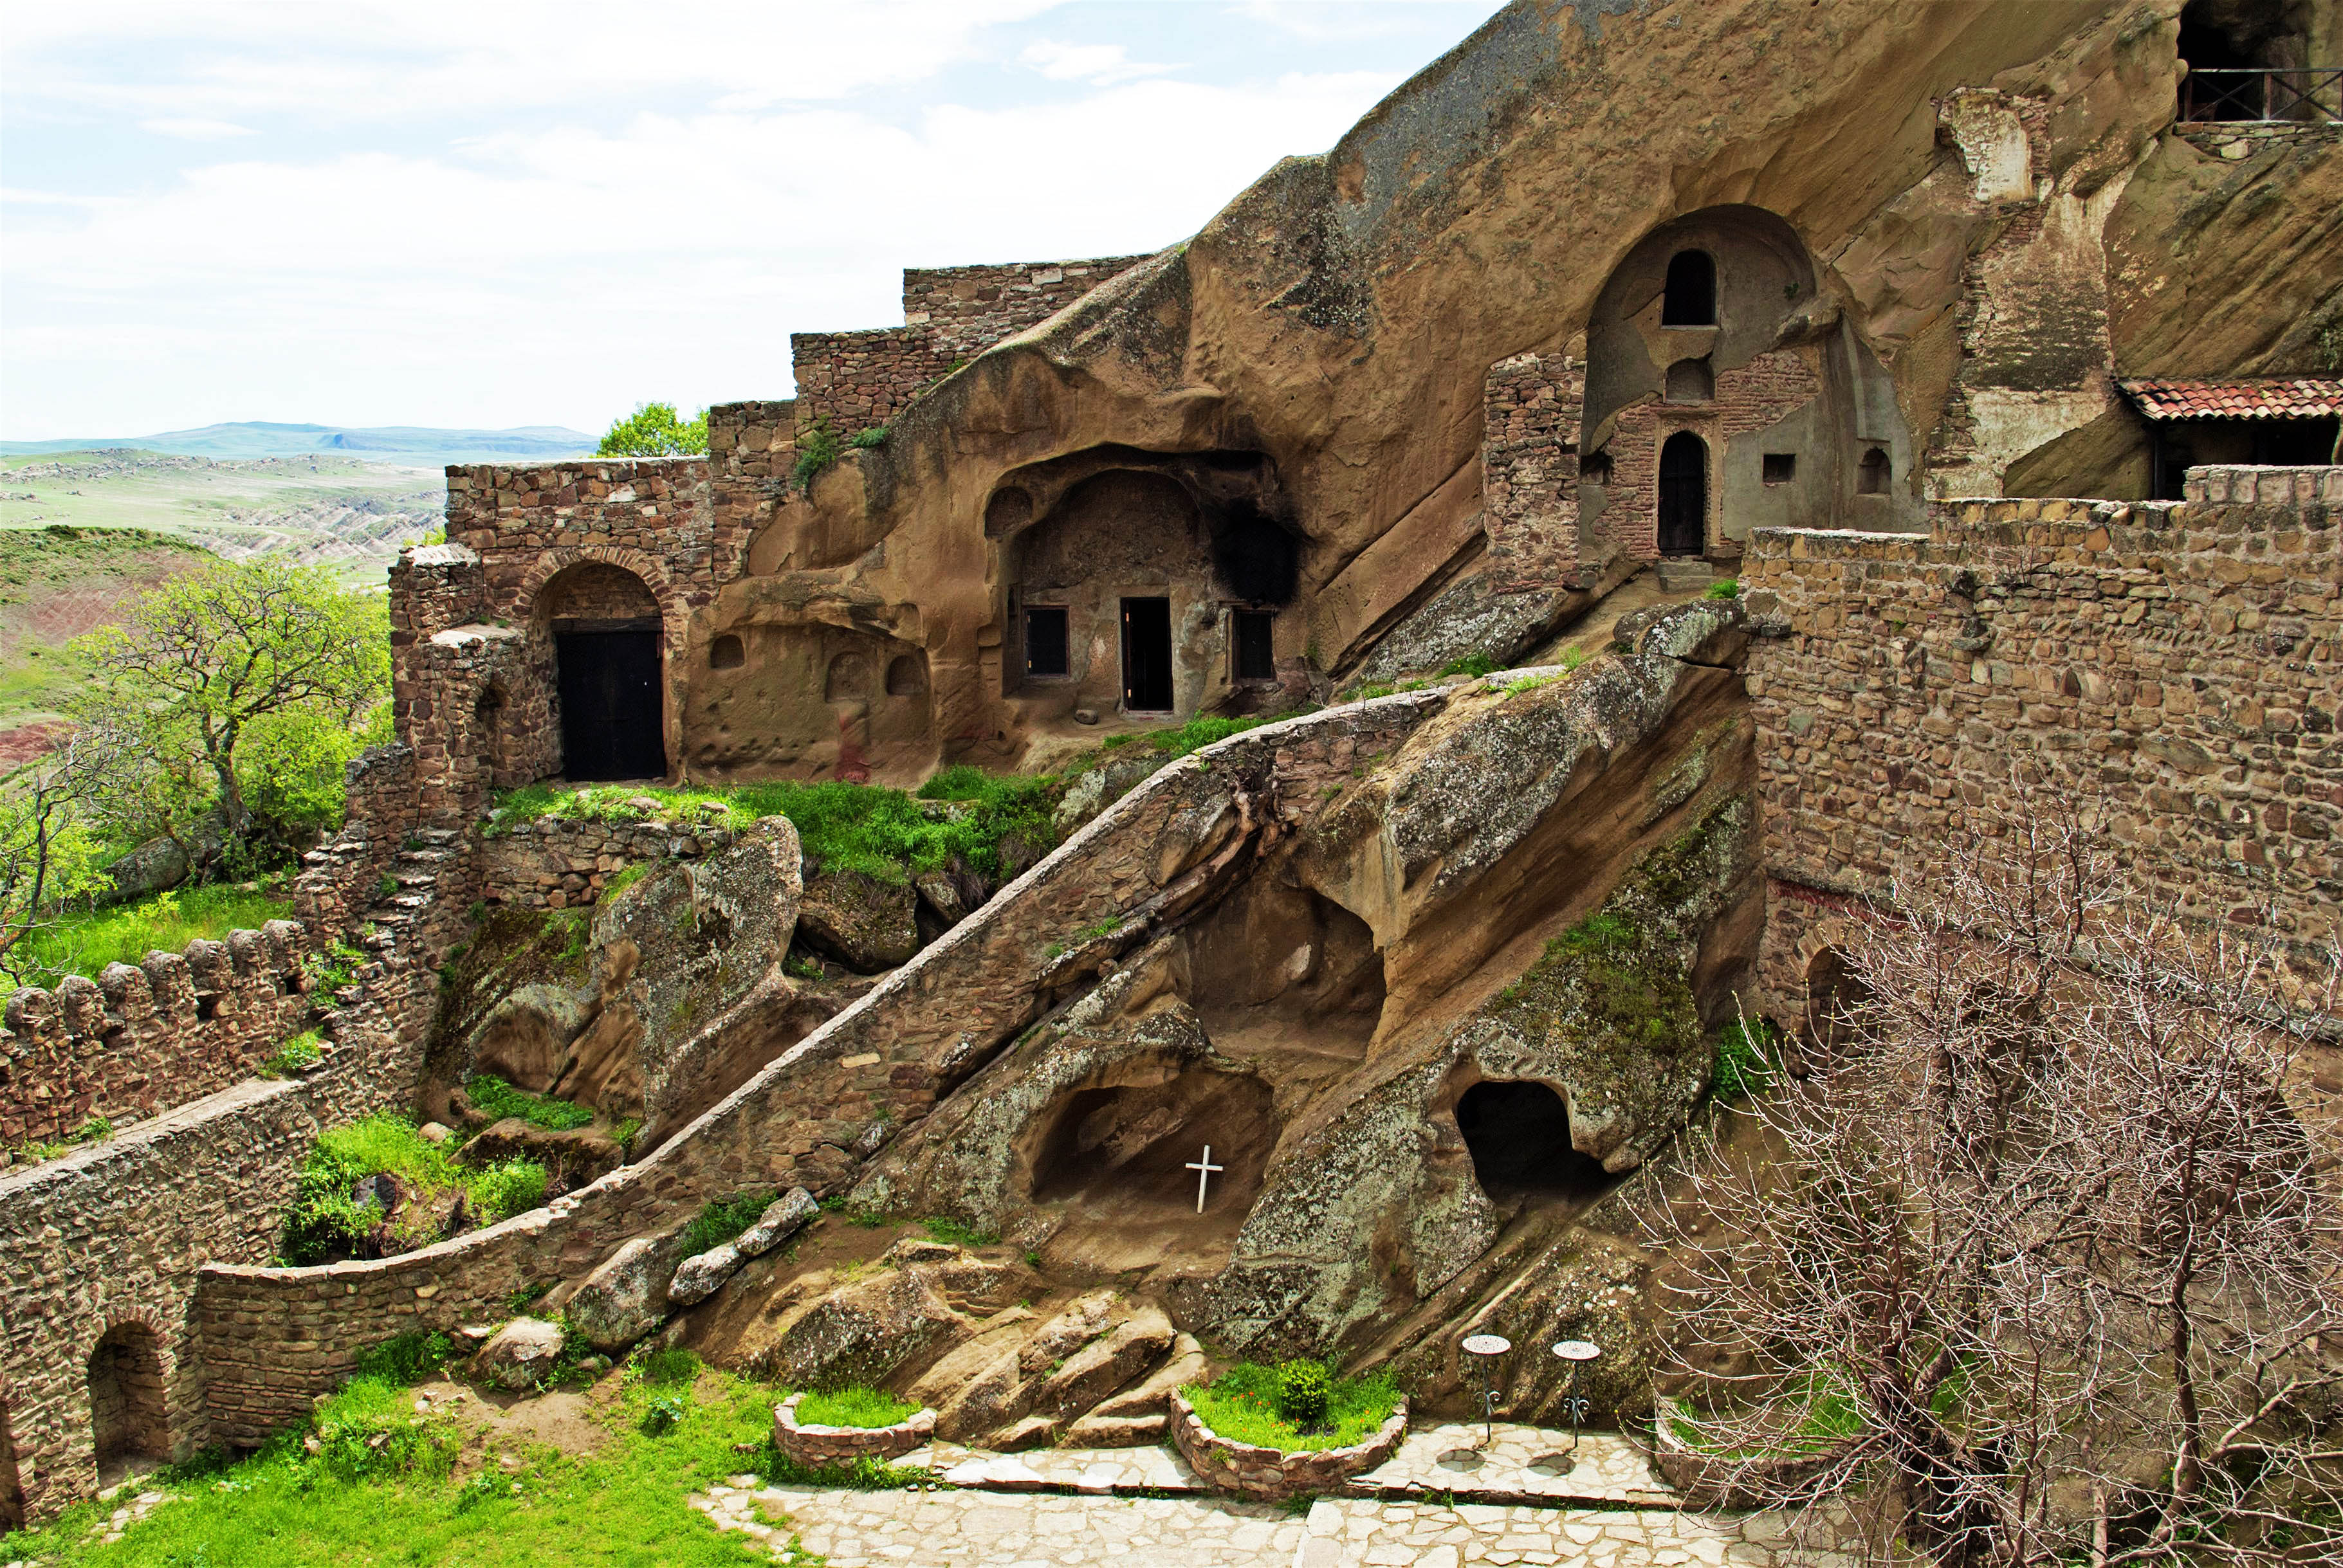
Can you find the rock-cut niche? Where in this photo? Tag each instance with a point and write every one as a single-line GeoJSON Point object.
{"type": "Point", "coordinates": [126, 1408]}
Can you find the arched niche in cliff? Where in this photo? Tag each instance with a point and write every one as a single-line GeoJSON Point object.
{"type": "Point", "coordinates": [1278, 971]}
{"type": "Point", "coordinates": [807, 696]}
{"type": "Point", "coordinates": [603, 626]}
{"type": "Point", "coordinates": [1775, 368]}
{"type": "Point", "coordinates": [1835, 996]}
{"type": "Point", "coordinates": [1518, 1133]}
{"type": "Point", "coordinates": [128, 1411]}
{"type": "Point", "coordinates": [1119, 567]}
{"type": "Point", "coordinates": [1111, 1155]}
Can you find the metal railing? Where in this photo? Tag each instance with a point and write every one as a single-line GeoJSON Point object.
{"type": "Point", "coordinates": [2288, 93]}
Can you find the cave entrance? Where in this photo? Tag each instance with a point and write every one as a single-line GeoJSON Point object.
{"type": "Point", "coordinates": [1683, 494]}
{"type": "Point", "coordinates": [126, 1409]}
{"type": "Point", "coordinates": [1115, 1157]}
{"type": "Point", "coordinates": [1518, 1133]}
{"type": "Point", "coordinates": [611, 717]}
{"type": "Point", "coordinates": [1147, 655]}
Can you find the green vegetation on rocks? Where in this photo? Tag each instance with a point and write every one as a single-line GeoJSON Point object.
{"type": "Point", "coordinates": [328, 1220]}
{"type": "Point", "coordinates": [494, 1099]}
{"type": "Point", "coordinates": [718, 1223]}
{"type": "Point", "coordinates": [85, 943]}
{"type": "Point", "coordinates": [1248, 1404]}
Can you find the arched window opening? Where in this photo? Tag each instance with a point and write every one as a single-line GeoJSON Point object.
{"type": "Point", "coordinates": [1691, 299]}
{"type": "Point", "coordinates": [1871, 475]}
{"type": "Point", "coordinates": [907, 676]}
{"type": "Point", "coordinates": [127, 1403]}
{"type": "Point", "coordinates": [849, 680]}
{"type": "Point", "coordinates": [727, 652]}
{"type": "Point", "coordinates": [1519, 1137]}
{"type": "Point", "coordinates": [1692, 381]}
{"type": "Point", "coordinates": [1683, 494]}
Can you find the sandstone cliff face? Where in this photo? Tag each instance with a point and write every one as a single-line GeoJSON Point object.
{"type": "Point", "coordinates": [1445, 1006]}
{"type": "Point", "coordinates": [1995, 207]}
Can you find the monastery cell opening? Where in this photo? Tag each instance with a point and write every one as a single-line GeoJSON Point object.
{"type": "Point", "coordinates": [128, 1413]}
{"type": "Point", "coordinates": [605, 626]}
{"type": "Point", "coordinates": [1519, 1136]}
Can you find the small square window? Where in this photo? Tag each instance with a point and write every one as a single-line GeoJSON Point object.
{"type": "Point", "coordinates": [1256, 654]}
{"type": "Point", "coordinates": [1781, 468]}
{"type": "Point", "coordinates": [1045, 640]}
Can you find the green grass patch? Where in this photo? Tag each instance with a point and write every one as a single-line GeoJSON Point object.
{"type": "Point", "coordinates": [880, 832]}
{"type": "Point", "coordinates": [718, 1223]}
{"type": "Point", "coordinates": [1247, 1403]}
{"type": "Point", "coordinates": [85, 943]}
{"type": "Point", "coordinates": [325, 1220]}
{"type": "Point", "coordinates": [1475, 665]}
{"type": "Point", "coordinates": [380, 1491]}
{"type": "Point", "coordinates": [944, 1228]}
{"type": "Point", "coordinates": [854, 1406]}
{"type": "Point", "coordinates": [1729, 588]}
{"type": "Point", "coordinates": [494, 1099]}
{"type": "Point", "coordinates": [1744, 1059]}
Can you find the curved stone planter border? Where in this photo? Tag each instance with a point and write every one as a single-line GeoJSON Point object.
{"type": "Point", "coordinates": [1274, 1474]}
{"type": "Point", "coordinates": [821, 1447]}
{"type": "Point", "coordinates": [1712, 1481]}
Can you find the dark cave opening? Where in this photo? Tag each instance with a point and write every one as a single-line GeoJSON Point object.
{"type": "Point", "coordinates": [1519, 1137]}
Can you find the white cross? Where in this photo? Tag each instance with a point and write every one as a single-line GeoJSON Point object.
{"type": "Point", "coordinates": [1203, 1168]}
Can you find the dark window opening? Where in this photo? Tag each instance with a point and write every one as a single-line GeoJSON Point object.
{"type": "Point", "coordinates": [2226, 47]}
{"type": "Point", "coordinates": [1871, 475]}
{"type": "Point", "coordinates": [1519, 1138]}
{"type": "Point", "coordinates": [1691, 299]}
{"type": "Point", "coordinates": [1256, 655]}
{"type": "Point", "coordinates": [1691, 381]}
{"type": "Point", "coordinates": [727, 653]}
{"type": "Point", "coordinates": [907, 676]}
{"type": "Point", "coordinates": [1257, 558]}
{"type": "Point", "coordinates": [610, 709]}
{"type": "Point", "coordinates": [1045, 641]}
{"type": "Point", "coordinates": [1147, 655]}
{"type": "Point", "coordinates": [2295, 443]}
{"type": "Point", "coordinates": [1779, 467]}
{"type": "Point", "coordinates": [1835, 1002]}
{"type": "Point", "coordinates": [1683, 494]}
{"type": "Point", "coordinates": [1595, 469]}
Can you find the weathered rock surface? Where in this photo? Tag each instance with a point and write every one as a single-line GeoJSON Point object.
{"type": "Point", "coordinates": [698, 1276]}
{"type": "Point", "coordinates": [519, 1355]}
{"type": "Point", "coordinates": [626, 1297]}
{"type": "Point", "coordinates": [1467, 618]}
{"type": "Point", "coordinates": [1103, 785]}
{"type": "Point", "coordinates": [864, 923]}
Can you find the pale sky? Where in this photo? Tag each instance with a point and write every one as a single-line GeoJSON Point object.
{"type": "Point", "coordinates": [496, 213]}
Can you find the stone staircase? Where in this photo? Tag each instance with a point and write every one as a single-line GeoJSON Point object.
{"type": "Point", "coordinates": [426, 862]}
{"type": "Point", "coordinates": [1683, 574]}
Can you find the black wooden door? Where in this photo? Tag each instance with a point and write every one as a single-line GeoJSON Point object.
{"type": "Point", "coordinates": [1147, 655]}
{"type": "Point", "coordinates": [610, 714]}
{"type": "Point", "coordinates": [1683, 494]}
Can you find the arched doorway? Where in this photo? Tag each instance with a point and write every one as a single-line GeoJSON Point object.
{"type": "Point", "coordinates": [1683, 494]}
{"type": "Point", "coordinates": [128, 1416]}
{"type": "Point", "coordinates": [604, 625]}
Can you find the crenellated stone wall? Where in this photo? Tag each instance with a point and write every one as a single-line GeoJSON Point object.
{"type": "Point", "coordinates": [2173, 669]}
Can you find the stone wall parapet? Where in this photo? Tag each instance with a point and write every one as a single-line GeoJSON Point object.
{"type": "Point", "coordinates": [555, 862]}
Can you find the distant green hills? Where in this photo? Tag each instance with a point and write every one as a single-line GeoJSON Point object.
{"type": "Point", "coordinates": [409, 444]}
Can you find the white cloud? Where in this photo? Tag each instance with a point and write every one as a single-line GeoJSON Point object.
{"type": "Point", "coordinates": [1102, 64]}
{"type": "Point", "coordinates": [195, 129]}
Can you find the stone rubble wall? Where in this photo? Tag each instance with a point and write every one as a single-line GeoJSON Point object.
{"type": "Point", "coordinates": [822, 1446]}
{"type": "Point", "coordinates": [555, 862]}
{"type": "Point", "coordinates": [115, 1232]}
{"type": "Point", "coordinates": [968, 309]}
{"type": "Point", "coordinates": [1274, 1474]}
{"type": "Point", "coordinates": [2175, 669]}
{"type": "Point", "coordinates": [272, 1339]}
{"type": "Point", "coordinates": [652, 515]}
{"type": "Point", "coordinates": [1531, 405]}
{"type": "Point", "coordinates": [1749, 397]}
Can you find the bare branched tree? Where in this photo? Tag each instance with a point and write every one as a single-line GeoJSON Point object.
{"type": "Point", "coordinates": [2042, 1260]}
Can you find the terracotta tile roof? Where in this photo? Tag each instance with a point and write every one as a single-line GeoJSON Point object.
{"type": "Point", "coordinates": [2261, 399]}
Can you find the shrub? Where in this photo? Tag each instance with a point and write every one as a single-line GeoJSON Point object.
{"type": "Point", "coordinates": [333, 967]}
{"type": "Point", "coordinates": [1303, 1390]}
{"type": "Point", "coordinates": [944, 1228]}
{"type": "Point", "coordinates": [366, 1432]}
{"type": "Point", "coordinates": [865, 440]}
{"type": "Point", "coordinates": [1242, 1405]}
{"type": "Point", "coordinates": [507, 1188]}
{"type": "Point", "coordinates": [495, 1099]}
{"type": "Point", "coordinates": [95, 1129]}
{"type": "Point", "coordinates": [1744, 1059]}
{"type": "Point", "coordinates": [854, 1406]}
{"type": "Point", "coordinates": [818, 448]}
{"type": "Point", "coordinates": [325, 1221]}
{"type": "Point", "coordinates": [407, 1359]}
{"type": "Point", "coordinates": [718, 1223]}
{"type": "Point", "coordinates": [1473, 664]}
{"type": "Point", "coordinates": [664, 1368]}
{"type": "Point", "coordinates": [663, 1412]}
{"type": "Point", "coordinates": [1729, 588]}
{"type": "Point", "coordinates": [292, 1055]}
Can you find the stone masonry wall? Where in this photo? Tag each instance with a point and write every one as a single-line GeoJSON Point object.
{"type": "Point", "coordinates": [115, 1232]}
{"type": "Point", "coordinates": [1749, 397]}
{"type": "Point", "coordinates": [854, 380]}
{"type": "Point", "coordinates": [273, 1337]}
{"type": "Point", "coordinates": [1529, 469]}
{"type": "Point", "coordinates": [557, 861]}
{"type": "Point", "coordinates": [2175, 669]}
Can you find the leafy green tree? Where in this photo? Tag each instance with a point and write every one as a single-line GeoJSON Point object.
{"type": "Point", "coordinates": [655, 431]}
{"type": "Point", "coordinates": [48, 850]}
{"type": "Point", "coordinates": [205, 668]}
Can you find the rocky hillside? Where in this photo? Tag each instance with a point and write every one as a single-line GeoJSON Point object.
{"type": "Point", "coordinates": [56, 583]}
